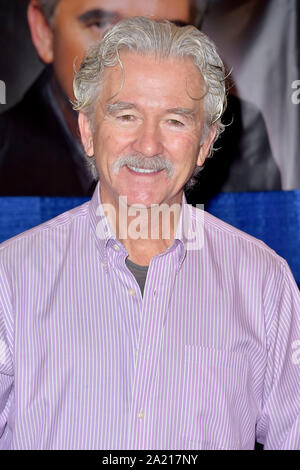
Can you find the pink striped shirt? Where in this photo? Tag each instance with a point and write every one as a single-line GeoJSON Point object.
{"type": "Point", "coordinates": [209, 358]}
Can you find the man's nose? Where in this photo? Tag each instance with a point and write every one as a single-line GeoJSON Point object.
{"type": "Point", "coordinates": [148, 140]}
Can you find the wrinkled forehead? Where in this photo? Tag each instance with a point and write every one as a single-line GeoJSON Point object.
{"type": "Point", "coordinates": [141, 74]}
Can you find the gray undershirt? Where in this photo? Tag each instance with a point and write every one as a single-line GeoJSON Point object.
{"type": "Point", "coordinates": [139, 272]}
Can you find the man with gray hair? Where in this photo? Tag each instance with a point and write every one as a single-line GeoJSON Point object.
{"type": "Point", "coordinates": [136, 321]}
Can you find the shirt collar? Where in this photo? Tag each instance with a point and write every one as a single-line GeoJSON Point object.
{"type": "Point", "coordinates": [100, 225]}
{"type": "Point", "coordinates": [190, 228]}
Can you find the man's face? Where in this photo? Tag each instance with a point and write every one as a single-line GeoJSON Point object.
{"type": "Point", "coordinates": [79, 23]}
{"type": "Point", "coordinates": [153, 116]}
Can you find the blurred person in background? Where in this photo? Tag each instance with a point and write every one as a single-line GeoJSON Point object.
{"type": "Point", "coordinates": [40, 148]}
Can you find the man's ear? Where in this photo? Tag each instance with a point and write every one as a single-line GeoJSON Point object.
{"type": "Point", "coordinates": [86, 134]}
{"type": "Point", "coordinates": [205, 146]}
{"type": "Point", "coordinates": [41, 32]}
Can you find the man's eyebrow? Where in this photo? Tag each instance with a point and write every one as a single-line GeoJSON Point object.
{"type": "Point", "coordinates": [96, 14]}
{"type": "Point", "coordinates": [186, 112]}
{"type": "Point", "coordinates": [112, 108]}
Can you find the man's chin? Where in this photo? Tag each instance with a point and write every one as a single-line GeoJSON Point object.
{"type": "Point", "coordinates": [134, 204]}
{"type": "Point", "coordinates": [138, 200]}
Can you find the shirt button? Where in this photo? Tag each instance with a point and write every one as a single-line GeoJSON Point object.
{"type": "Point", "coordinates": [131, 292]}
{"type": "Point", "coordinates": [103, 264]}
{"type": "Point", "coordinates": [141, 414]}
{"type": "Point", "coordinates": [116, 247]}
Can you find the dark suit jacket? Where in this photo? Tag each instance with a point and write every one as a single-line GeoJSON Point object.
{"type": "Point", "coordinates": [38, 153]}
{"type": "Point", "coordinates": [243, 160]}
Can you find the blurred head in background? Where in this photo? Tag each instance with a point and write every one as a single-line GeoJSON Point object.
{"type": "Point", "coordinates": [62, 30]}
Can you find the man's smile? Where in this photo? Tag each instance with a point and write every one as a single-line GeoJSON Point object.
{"type": "Point", "coordinates": [144, 171]}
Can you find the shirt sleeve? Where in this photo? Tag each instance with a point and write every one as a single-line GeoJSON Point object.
{"type": "Point", "coordinates": [279, 424]}
{"type": "Point", "coordinates": [6, 367]}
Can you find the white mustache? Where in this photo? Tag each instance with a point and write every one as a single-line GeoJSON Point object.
{"type": "Point", "coordinates": [156, 163]}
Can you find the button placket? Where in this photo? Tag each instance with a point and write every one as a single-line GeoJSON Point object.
{"type": "Point", "coordinates": [131, 292]}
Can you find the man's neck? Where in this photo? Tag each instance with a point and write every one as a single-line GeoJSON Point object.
{"type": "Point", "coordinates": [142, 251]}
{"type": "Point", "coordinates": [148, 232]}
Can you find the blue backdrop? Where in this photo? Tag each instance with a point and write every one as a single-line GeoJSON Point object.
{"type": "Point", "coordinates": [273, 217]}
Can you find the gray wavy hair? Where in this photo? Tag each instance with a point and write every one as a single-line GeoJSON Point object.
{"type": "Point", "coordinates": [164, 39]}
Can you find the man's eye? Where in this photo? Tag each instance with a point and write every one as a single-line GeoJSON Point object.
{"type": "Point", "coordinates": [175, 122]}
{"type": "Point", "coordinates": [126, 117]}
{"type": "Point", "coordinates": [100, 24]}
